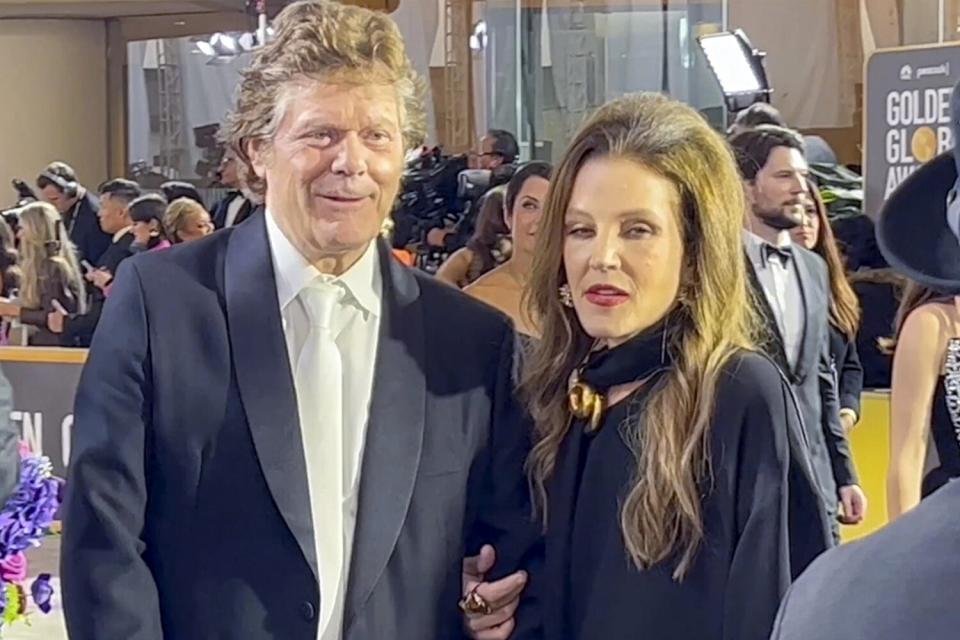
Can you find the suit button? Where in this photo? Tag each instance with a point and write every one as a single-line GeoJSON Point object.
{"type": "Point", "coordinates": [307, 610]}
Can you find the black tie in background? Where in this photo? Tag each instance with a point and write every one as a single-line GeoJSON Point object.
{"type": "Point", "coordinates": [782, 255]}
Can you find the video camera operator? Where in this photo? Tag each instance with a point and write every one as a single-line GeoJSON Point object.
{"type": "Point", "coordinates": [79, 208]}
{"type": "Point", "coordinates": [488, 167]}
{"type": "Point", "coordinates": [497, 148]}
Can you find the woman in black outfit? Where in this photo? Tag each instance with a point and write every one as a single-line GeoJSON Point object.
{"type": "Point", "coordinates": [661, 454]}
{"type": "Point", "coordinates": [50, 274]}
{"type": "Point", "coordinates": [817, 235]}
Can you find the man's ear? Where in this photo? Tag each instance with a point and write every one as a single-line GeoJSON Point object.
{"type": "Point", "coordinates": [259, 153]}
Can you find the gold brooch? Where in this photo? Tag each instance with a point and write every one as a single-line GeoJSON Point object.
{"type": "Point", "coordinates": [586, 404]}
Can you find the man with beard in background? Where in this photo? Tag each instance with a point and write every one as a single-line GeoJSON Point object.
{"type": "Point", "coordinates": [793, 296]}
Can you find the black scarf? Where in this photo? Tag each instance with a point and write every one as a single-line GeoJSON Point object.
{"type": "Point", "coordinates": [635, 359]}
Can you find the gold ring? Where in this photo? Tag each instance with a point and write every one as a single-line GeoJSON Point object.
{"type": "Point", "coordinates": [473, 604]}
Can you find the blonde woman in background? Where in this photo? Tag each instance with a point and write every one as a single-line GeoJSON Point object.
{"type": "Point", "coordinates": [186, 220]}
{"type": "Point", "coordinates": [503, 287]}
{"type": "Point", "coordinates": [50, 273]}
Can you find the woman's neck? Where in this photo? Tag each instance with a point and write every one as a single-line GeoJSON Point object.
{"type": "Point", "coordinates": [519, 266]}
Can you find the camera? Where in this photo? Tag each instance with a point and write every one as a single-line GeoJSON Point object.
{"type": "Point", "coordinates": [25, 196]}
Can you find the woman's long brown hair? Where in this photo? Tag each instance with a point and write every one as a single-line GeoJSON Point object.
{"type": "Point", "coordinates": [713, 318]}
{"type": "Point", "coordinates": [914, 295]}
{"type": "Point", "coordinates": [844, 304]}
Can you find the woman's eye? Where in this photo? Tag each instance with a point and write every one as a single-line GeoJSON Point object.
{"type": "Point", "coordinates": [580, 232]}
{"type": "Point", "coordinates": [638, 231]}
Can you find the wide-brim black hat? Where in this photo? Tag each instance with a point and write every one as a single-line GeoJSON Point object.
{"type": "Point", "coordinates": [919, 227]}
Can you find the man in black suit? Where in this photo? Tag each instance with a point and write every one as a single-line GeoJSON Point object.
{"type": "Point", "coordinates": [281, 432]}
{"type": "Point", "coordinates": [59, 186]}
{"type": "Point", "coordinates": [793, 292]}
{"type": "Point", "coordinates": [235, 207]}
{"type": "Point", "coordinates": [114, 219]}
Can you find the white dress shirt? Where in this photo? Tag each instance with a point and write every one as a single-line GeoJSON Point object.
{"type": "Point", "coordinates": [781, 285]}
{"type": "Point", "coordinates": [233, 209]}
{"type": "Point", "coordinates": [356, 327]}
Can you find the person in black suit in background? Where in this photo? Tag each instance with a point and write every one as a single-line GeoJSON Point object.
{"type": "Point", "coordinates": [282, 433]}
{"type": "Point", "coordinates": [236, 206]}
{"type": "Point", "coordinates": [59, 186]}
{"type": "Point", "coordinates": [816, 235]}
{"type": "Point", "coordinates": [793, 291]}
{"type": "Point", "coordinates": [115, 198]}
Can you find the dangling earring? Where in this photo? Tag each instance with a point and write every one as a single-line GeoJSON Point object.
{"type": "Point", "coordinates": [566, 296]}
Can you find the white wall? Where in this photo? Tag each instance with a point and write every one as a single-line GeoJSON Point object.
{"type": "Point", "coordinates": [53, 105]}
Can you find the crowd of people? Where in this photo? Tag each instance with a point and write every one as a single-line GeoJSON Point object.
{"type": "Point", "coordinates": [59, 263]}
{"type": "Point", "coordinates": [632, 421]}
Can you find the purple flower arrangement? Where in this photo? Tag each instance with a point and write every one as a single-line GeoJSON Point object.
{"type": "Point", "coordinates": [24, 520]}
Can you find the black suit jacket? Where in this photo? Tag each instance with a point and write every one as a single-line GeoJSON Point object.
{"type": "Point", "coordinates": [219, 213]}
{"type": "Point", "coordinates": [85, 232]}
{"type": "Point", "coordinates": [78, 328]}
{"type": "Point", "coordinates": [901, 582]}
{"type": "Point", "coordinates": [848, 372]}
{"type": "Point", "coordinates": [187, 513]}
{"type": "Point", "coordinates": [812, 376]}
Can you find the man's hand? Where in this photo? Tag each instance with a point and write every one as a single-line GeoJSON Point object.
{"type": "Point", "coordinates": [503, 597]}
{"type": "Point", "coordinates": [853, 503]}
{"type": "Point", "coordinates": [849, 421]}
{"type": "Point", "coordinates": [100, 277]}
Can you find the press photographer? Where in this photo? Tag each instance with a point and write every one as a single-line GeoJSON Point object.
{"type": "Point", "coordinates": [77, 206]}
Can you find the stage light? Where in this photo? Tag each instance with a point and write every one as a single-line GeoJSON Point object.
{"type": "Point", "coordinates": [738, 68]}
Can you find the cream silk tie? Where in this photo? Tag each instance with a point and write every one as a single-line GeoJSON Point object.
{"type": "Point", "coordinates": [320, 395]}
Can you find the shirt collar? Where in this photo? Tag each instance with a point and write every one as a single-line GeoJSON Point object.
{"type": "Point", "coordinates": [293, 272]}
{"type": "Point", "coordinates": [754, 244]}
{"type": "Point", "coordinates": [121, 233]}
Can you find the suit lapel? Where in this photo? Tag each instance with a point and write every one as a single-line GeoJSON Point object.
{"type": "Point", "coordinates": [264, 377]}
{"type": "Point", "coordinates": [774, 340]}
{"type": "Point", "coordinates": [811, 310]}
{"type": "Point", "coordinates": [395, 430]}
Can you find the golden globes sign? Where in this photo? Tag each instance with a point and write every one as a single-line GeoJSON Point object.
{"type": "Point", "coordinates": [907, 115]}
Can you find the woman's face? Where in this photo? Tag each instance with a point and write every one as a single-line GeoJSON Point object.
{"type": "Point", "coordinates": [524, 218]}
{"type": "Point", "coordinates": [807, 233]}
{"type": "Point", "coordinates": [142, 231]}
{"type": "Point", "coordinates": [623, 248]}
{"type": "Point", "coordinates": [195, 226]}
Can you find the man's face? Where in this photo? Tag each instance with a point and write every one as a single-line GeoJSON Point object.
{"type": "Point", "coordinates": [54, 196]}
{"type": "Point", "coordinates": [113, 214]}
{"type": "Point", "coordinates": [228, 171]}
{"type": "Point", "coordinates": [778, 193]}
{"type": "Point", "coordinates": [333, 169]}
{"type": "Point", "coordinates": [485, 157]}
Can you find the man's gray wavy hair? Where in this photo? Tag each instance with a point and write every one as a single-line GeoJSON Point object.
{"type": "Point", "coordinates": [323, 41]}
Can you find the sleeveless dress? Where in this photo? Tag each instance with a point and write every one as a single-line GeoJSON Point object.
{"type": "Point", "coordinates": [945, 422]}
